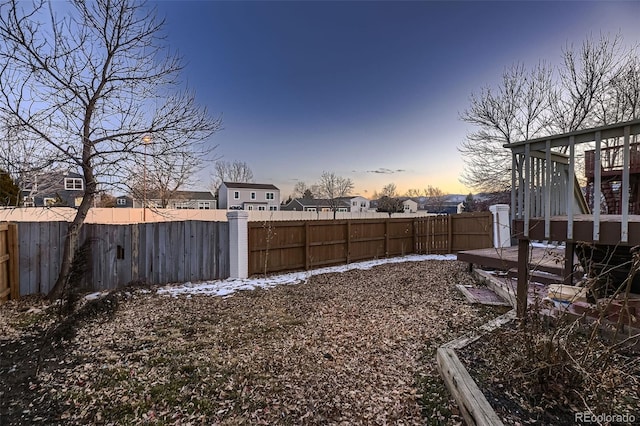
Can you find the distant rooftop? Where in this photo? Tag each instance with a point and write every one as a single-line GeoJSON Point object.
{"type": "Point", "coordinates": [241, 185]}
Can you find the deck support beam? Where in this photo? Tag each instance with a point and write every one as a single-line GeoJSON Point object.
{"type": "Point", "coordinates": [523, 278]}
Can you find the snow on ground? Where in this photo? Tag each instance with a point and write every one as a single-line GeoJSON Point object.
{"type": "Point", "coordinates": [229, 286]}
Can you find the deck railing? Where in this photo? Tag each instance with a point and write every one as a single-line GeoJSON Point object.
{"type": "Point", "coordinates": [544, 180]}
{"type": "Point", "coordinates": [612, 160]}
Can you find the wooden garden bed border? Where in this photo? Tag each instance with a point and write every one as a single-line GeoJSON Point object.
{"type": "Point", "coordinates": [474, 407]}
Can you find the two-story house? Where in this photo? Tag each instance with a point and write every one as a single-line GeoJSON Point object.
{"type": "Point", "coordinates": [248, 196]}
{"type": "Point", "coordinates": [357, 203]}
{"type": "Point", "coordinates": [55, 188]}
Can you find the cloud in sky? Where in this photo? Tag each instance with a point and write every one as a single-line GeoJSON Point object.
{"type": "Point", "coordinates": [385, 171]}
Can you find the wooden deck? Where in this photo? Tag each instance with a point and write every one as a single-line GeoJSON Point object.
{"type": "Point", "coordinates": [610, 229]}
{"type": "Point", "coordinates": [548, 260]}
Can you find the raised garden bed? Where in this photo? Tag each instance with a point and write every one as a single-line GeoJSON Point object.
{"type": "Point", "coordinates": [554, 370]}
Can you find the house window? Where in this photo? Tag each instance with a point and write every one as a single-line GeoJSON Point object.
{"type": "Point", "coordinates": [262, 208]}
{"type": "Point", "coordinates": [363, 204]}
{"type": "Point", "coordinates": [236, 195]}
{"type": "Point", "coordinates": [253, 195]}
{"type": "Point", "coordinates": [78, 201]}
{"type": "Point", "coordinates": [204, 205]}
{"type": "Point", "coordinates": [249, 207]}
{"type": "Point", "coordinates": [71, 184]}
{"type": "Point", "coordinates": [182, 206]}
{"type": "Point", "coordinates": [342, 209]}
{"type": "Point", "coordinates": [311, 209]}
{"type": "Point", "coordinates": [270, 196]}
{"type": "Point", "coordinates": [354, 203]}
{"type": "Point", "coordinates": [122, 201]}
{"type": "Point", "coordinates": [273, 208]}
{"type": "Point", "coordinates": [48, 202]}
{"type": "Point", "coordinates": [28, 202]}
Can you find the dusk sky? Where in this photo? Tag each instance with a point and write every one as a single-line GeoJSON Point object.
{"type": "Point", "coordinates": [372, 91]}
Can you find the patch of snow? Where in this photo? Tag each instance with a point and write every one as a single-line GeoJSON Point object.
{"type": "Point", "coordinates": [544, 244]}
{"type": "Point", "coordinates": [225, 288]}
{"type": "Point", "coordinates": [96, 295]}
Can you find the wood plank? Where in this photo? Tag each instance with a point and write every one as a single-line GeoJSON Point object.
{"type": "Point", "coordinates": [523, 277]}
{"type": "Point", "coordinates": [184, 237]}
{"type": "Point", "coordinates": [195, 245]}
{"type": "Point", "coordinates": [473, 405]}
{"type": "Point", "coordinates": [135, 252]}
{"type": "Point", "coordinates": [485, 328]}
{"type": "Point", "coordinates": [14, 263]}
{"type": "Point", "coordinates": [180, 250]}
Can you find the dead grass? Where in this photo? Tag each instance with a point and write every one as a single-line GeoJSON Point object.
{"type": "Point", "coordinates": [351, 348]}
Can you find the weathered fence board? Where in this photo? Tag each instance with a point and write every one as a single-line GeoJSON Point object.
{"type": "Point", "coordinates": [281, 246]}
{"type": "Point", "coordinates": [157, 253]}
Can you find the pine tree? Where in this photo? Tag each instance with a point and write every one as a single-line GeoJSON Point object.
{"type": "Point", "coordinates": [9, 191]}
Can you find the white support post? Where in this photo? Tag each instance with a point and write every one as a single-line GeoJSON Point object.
{"type": "Point", "coordinates": [624, 225]}
{"type": "Point", "coordinates": [501, 226]}
{"type": "Point", "coordinates": [238, 244]}
{"type": "Point", "coordinates": [597, 187]}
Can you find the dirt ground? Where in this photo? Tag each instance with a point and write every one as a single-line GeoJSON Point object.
{"type": "Point", "coordinates": [343, 348]}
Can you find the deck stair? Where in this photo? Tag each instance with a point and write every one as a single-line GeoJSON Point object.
{"type": "Point", "coordinates": [613, 203]}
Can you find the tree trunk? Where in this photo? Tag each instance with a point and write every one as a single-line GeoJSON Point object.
{"type": "Point", "coordinates": [71, 240]}
{"type": "Point", "coordinates": [70, 245]}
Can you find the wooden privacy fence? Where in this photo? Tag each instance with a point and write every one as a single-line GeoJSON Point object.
{"type": "Point", "coordinates": [156, 253]}
{"type": "Point", "coordinates": [9, 287]}
{"type": "Point", "coordinates": [284, 246]}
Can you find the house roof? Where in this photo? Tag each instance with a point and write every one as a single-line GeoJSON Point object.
{"type": "Point", "coordinates": [350, 197]}
{"type": "Point", "coordinates": [319, 202]}
{"type": "Point", "coordinates": [241, 185]}
{"type": "Point", "coordinates": [184, 195]}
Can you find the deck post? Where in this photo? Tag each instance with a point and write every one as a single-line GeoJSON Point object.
{"type": "Point", "coordinates": [523, 277]}
{"type": "Point", "coordinates": [569, 253]}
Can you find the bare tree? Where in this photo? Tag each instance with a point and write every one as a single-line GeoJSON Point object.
{"type": "Point", "coordinates": [225, 171]}
{"type": "Point", "coordinates": [390, 190]}
{"type": "Point", "coordinates": [301, 190]}
{"type": "Point", "coordinates": [517, 109]}
{"type": "Point", "coordinates": [333, 187]}
{"type": "Point", "coordinates": [23, 158]}
{"type": "Point", "coordinates": [414, 193]}
{"type": "Point", "coordinates": [163, 176]}
{"type": "Point", "coordinates": [436, 198]}
{"type": "Point", "coordinates": [389, 205]}
{"type": "Point", "coordinates": [88, 85]}
{"type": "Point", "coordinates": [533, 104]}
{"type": "Point", "coordinates": [582, 80]}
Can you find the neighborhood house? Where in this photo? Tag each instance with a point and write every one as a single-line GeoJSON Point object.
{"type": "Point", "coordinates": [248, 196]}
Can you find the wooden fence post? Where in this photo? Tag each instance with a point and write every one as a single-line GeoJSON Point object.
{"type": "Point", "coordinates": [449, 233]}
{"type": "Point", "coordinates": [386, 238]}
{"type": "Point", "coordinates": [306, 246]}
{"type": "Point", "coordinates": [348, 241]}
